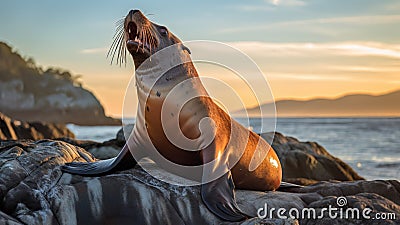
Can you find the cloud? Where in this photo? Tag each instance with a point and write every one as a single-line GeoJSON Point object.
{"type": "Point", "coordinates": [364, 68]}
{"type": "Point", "coordinates": [273, 4]}
{"type": "Point", "coordinates": [354, 20]}
{"type": "Point", "coordinates": [392, 6]}
{"type": "Point", "coordinates": [253, 8]}
{"type": "Point", "coordinates": [286, 2]}
{"type": "Point", "coordinates": [94, 51]}
{"type": "Point", "coordinates": [376, 19]}
{"type": "Point", "coordinates": [308, 77]}
{"type": "Point", "coordinates": [372, 50]}
{"type": "Point", "coordinates": [345, 48]}
{"type": "Point", "coordinates": [357, 61]}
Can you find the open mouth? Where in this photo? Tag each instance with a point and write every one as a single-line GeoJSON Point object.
{"type": "Point", "coordinates": [135, 42]}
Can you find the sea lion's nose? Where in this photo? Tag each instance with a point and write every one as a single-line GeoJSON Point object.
{"type": "Point", "coordinates": [136, 15]}
{"type": "Point", "coordinates": [133, 11]}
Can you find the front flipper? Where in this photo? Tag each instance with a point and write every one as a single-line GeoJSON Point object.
{"type": "Point", "coordinates": [123, 161]}
{"type": "Point", "coordinates": [219, 197]}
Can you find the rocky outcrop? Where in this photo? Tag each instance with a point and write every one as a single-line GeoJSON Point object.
{"type": "Point", "coordinates": [29, 93]}
{"type": "Point", "coordinates": [308, 162]}
{"type": "Point", "coordinates": [125, 131]}
{"type": "Point", "coordinates": [13, 129]}
{"type": "Point", "coordinates": [33, 190]}
{"type": "Point", "coordinates": [8, 220]}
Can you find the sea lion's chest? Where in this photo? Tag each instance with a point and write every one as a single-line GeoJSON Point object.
{"type": "Point", "coordinates": [164, 112]}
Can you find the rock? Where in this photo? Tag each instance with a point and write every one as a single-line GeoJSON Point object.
{"type": "Point", "coordinates": [13, 129]}
{"type": "Point", "coordinates": [33, 190]}
{"type": "Point", "coordinates": [308, 162]}
{"type": "Point", "coordinates": [124, 132]}
{"type": "Point", "coordinates": [8, 220]}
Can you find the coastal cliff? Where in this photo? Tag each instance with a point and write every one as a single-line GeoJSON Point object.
{"type": "Point", "coordinates": [30, 93]}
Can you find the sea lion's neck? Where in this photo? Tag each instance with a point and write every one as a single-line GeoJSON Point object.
{"type": "Point", "coordinates": [158, 77]}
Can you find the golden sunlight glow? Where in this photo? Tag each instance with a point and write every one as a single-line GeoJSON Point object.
{"type": "Point", "coordinates": [294, 71]}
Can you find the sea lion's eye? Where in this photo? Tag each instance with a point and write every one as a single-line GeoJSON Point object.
{"type": "Point", "coordinates": [163, 31]}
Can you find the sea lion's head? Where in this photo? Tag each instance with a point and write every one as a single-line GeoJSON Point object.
{"type": "Point", "coordinates": [142, 38]}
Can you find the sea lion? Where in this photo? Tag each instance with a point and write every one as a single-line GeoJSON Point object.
{"type": "Point", "coordinates": [257, 166]}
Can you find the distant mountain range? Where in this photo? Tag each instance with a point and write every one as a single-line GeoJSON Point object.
{"type": "Point", "coordinates": [355, 105]}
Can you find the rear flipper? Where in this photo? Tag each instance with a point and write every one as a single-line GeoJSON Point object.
{"type": "Point", "coordinates": [123, 161]}
{"type": "Point", "coordinates": [219, 197]}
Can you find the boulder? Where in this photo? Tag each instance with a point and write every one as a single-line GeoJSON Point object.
{"type": "Point", "coordinates": [125, 131]}
{"type": "Point", "coordinates": [308, 162]}
{"type": "Point", "coordinates": [13, 129]}
{"type": "Point", "coordinates": [33, 190]}
{"type": "Point", "coordinates": [8, 220]}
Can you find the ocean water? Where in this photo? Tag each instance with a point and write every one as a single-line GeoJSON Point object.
{"type": "Point", "coordinates": [371, 146]}
{"type": "Point", "coordinates": [94, 133]}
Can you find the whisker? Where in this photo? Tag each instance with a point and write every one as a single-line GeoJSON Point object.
{"type": "Point", "coordinates": [121, 45]}
{"type": "Point", "coordinates": [118, 48]}
{"type": "Point", "coordinates": [120, 27]}
{"type": "Point", "coordinates": [117, 34]}
{"type": "Point", "coordinates": [149, 33]}
{"type": "Point", "coordinates": [146, 36]}
{"type": "Point", "coordinates": [120, 21]}
{"type": "Point", "coordinates": [153, 42]}
{"type": "Point", "coordinates": [124, 53]}
{"type": "Point", "coordinates": [148, 39]}
{"type": "Point", "coordinates": [144, 40]}
{"type": "Point", "coordinates": [148, 14]}
{"type": "Point", "coordinates": [119, 38]}
{"type": "Point", "coordinates": [140, 36]}
{"type": "Point", "coordinates": [143, 37]}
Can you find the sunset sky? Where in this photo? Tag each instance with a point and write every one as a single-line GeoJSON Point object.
{"type": "Point", "coordinates": [306, 49]}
